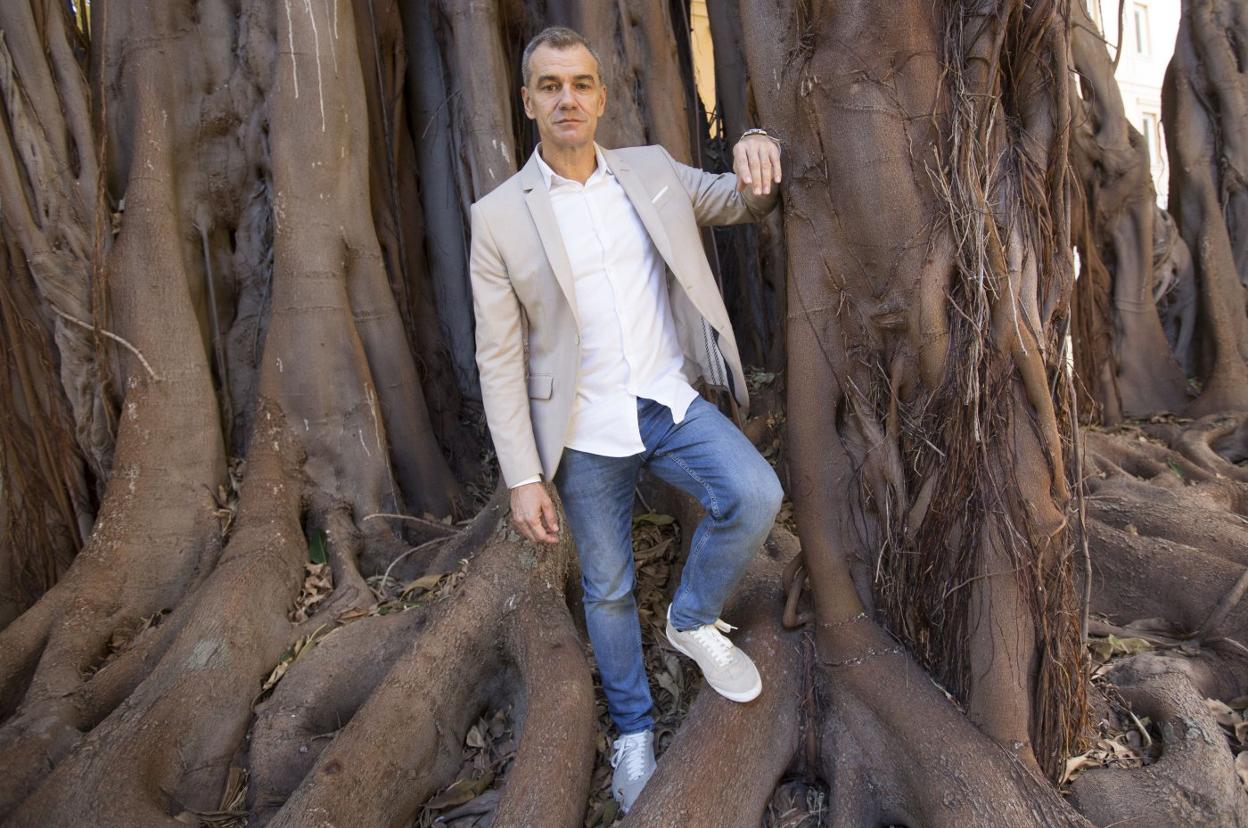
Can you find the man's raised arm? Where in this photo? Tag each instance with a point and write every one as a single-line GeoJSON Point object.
{"type": "Point", "coordinates": [748, 193]}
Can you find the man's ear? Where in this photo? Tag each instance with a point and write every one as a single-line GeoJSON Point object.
{"type": "Point", "coordinates": [528, 104]}
{"type": "Point", "coordinates": [602, 99]}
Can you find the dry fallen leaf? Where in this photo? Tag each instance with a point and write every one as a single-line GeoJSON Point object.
{"type": "Point", "coordinates": [1223, 713]}
{"type": "Point", "coordinates": [318, 583]}
{"type": "Point", "coordinates": [424, 583]}
{"type": "Point", "coordinates": [464, 789]}
{"type": "Point", "coordinates": [1077, 764]}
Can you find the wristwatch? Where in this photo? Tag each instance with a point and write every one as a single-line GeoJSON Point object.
{"type": "Point", "coordinates": [765, 134]}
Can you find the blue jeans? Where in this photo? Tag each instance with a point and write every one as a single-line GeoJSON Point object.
{"type": "Point", "coordinates": [706, 456]}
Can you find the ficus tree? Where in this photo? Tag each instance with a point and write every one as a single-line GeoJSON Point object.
{"type": "Point", "coordinates": [254, 563]}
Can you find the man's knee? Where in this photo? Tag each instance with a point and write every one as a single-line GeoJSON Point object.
{"type": "Point", "coordinates": [756, 496]}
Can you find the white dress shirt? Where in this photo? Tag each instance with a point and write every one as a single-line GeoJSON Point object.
{"type": "Point", "coordinates": [629, 347]}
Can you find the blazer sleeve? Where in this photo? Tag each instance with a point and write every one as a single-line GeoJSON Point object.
{"type": "Point", "coordinates": [500, 356]}
{"type": "Point", "coordinates": [715, 197]}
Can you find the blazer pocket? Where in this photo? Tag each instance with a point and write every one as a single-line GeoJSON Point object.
{"type": "Point", "coordinates": [540, 386]}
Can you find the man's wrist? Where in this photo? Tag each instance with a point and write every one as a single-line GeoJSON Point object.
{"type": "Point", "coordinates": [537, 478]}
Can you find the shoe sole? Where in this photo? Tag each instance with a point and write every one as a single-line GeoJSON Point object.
{"type": "Point", "coordinates": [744, 696]}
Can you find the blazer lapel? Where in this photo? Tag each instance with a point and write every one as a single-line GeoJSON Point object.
{"type": "Point", "coordinates": [538, 201]}
{"type": "Point", "coordinates": [646, 210]}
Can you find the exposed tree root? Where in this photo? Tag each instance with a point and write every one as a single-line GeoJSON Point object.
{"type": "Point", "coordinates": [1168, 535]}
{"type": "Point", "coordinates": [1215, 442]}
{"type": "Point", "coordinates": [907, 755]}
{"type": "Point", "coordinates": [337, 673]}
{"type": "Point", "coordinates": [1160, 517]}
{"type": "Point", "coordinates": [725, 761]}
{"type": "Point", "coordinates": [549, 782]}
{"type": "Point", "coordinates": [133, 769]}
{"type": "Point", "coordinates": [317, 697]}
{"type": "Point", "coordinates": [1193, 783]}
{"type": "Point", "coordinates": [405, 742]}
{"type": "Point", "coordinates": [155, 534]}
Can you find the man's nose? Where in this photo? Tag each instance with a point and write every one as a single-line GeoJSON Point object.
{"type": "Point", "coordinates": [566, 99]}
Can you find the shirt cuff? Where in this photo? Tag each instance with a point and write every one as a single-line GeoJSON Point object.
{"type": "Point", "coordinates": [534, 479]}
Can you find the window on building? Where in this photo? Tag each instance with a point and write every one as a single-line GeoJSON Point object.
{"type": "Point", "coordinates": [1142, 45]}
{"type": "Point", "coordinates": [1152, 143]}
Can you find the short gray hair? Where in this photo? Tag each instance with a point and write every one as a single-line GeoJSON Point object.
{"type": "Point", "coordinates": [556, 37]}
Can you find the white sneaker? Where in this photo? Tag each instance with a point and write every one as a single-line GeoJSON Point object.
{"type": "Point", "coordinates": [728, 670]}
{"type": "Point", "coordinates": [633, 761]}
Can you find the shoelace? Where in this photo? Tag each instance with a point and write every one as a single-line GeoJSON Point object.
{"type": "Point", "coordinates": [710, 636]}
{"type": "Point", "coordinates": [631, 750]}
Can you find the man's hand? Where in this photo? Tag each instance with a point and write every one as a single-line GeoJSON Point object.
{"type": "Point", "coordinates": [533, 513]}
{"type": "Point", "coordinates": [756, 161]}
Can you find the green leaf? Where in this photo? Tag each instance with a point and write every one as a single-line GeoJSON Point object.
{"type": "Point", "coordinates": [316, 547]}
{"type": "Point", "coordinates": [656, 519]}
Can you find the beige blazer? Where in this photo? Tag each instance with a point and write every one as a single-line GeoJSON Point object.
{"type": "Point", "coordinates": [528, 342]}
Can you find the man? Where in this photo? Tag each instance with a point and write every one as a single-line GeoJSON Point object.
{"type": "Point", "coordinates": [595, 255]}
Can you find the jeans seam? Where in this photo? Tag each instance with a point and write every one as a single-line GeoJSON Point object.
{"type": "Point", "coordinates": [707, 531]}
{"type": "Point", "coordinates": [710, 493]}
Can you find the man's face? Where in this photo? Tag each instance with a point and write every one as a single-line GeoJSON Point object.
{"type": "Point", "coordinates": [565, 95]}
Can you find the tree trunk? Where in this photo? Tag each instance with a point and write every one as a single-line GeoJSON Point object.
{"type": "Point", "coordinates": [1122, 356]}
{"type": "Point", "coordinates": [1205, 113]}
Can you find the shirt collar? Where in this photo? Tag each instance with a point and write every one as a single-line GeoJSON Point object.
{"type": "Point", "coordinates": [554, 179]}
